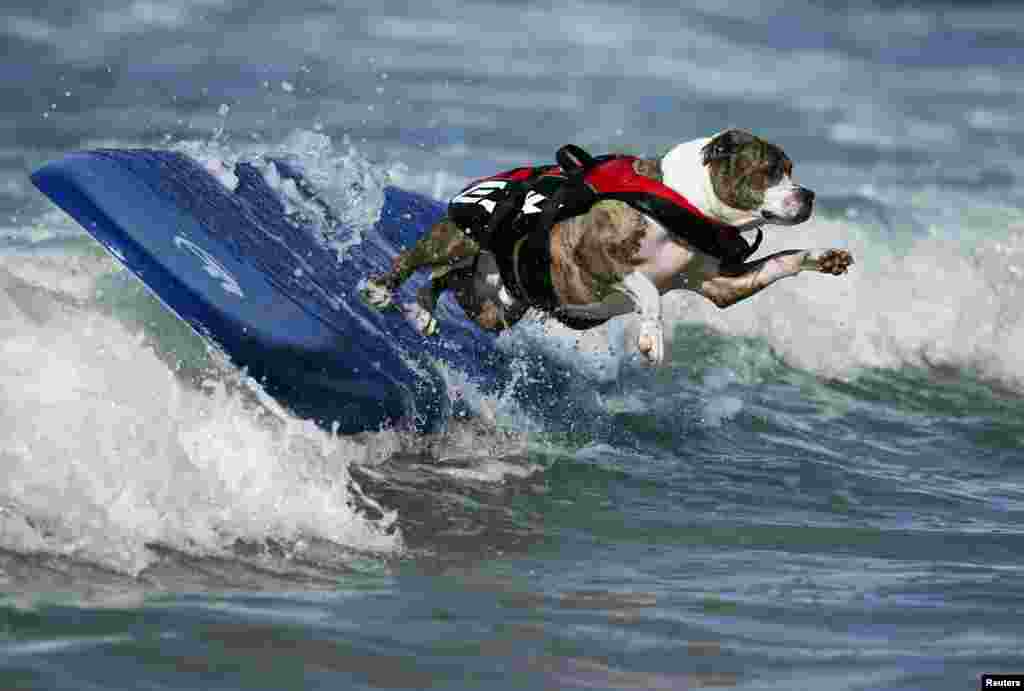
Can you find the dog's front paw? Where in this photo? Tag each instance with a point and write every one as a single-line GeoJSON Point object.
{"type": "Point", "coordinates": [834, 261]}
{"type": "Point", "coordinates": [651, 340]}
{"type": "Point", "coordinates": [421, 319]}
{"type": "Point", "coordinates": [377, 294]}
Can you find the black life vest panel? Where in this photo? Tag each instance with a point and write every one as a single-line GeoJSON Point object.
{"type": "Point", "coordinates": [511, 214]}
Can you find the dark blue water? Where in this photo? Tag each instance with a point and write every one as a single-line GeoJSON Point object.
{"type": "Point", "coordinates": [821, 488]}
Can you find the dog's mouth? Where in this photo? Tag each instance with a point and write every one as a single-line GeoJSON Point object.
{"type": "Point", "coordinates": [772, 217]}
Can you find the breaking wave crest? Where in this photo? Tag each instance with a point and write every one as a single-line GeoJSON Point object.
{"type": "Point", "coordinates": [112, 443]}
{"type": "Point", "coordinates": [940, 302]}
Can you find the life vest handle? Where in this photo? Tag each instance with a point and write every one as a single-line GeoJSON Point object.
{"type": "Point", "coordinates": [574, 197]}
{"type": "Point", "coordinates": [574, 161]}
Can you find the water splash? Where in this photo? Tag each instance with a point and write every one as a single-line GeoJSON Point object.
{"type": "Point", "coordinates": [948, 300]}
{"type": "Point", "coordinates": [107, 451]}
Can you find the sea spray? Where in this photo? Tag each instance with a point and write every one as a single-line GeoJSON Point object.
{"type": "Point", "coordinates": [106, 451]}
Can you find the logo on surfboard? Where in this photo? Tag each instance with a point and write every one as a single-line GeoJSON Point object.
{"type": "Point", "coordinates": [211, 266]}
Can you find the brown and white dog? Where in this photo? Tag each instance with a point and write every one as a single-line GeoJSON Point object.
{"type": "Point", "coordinates": [733, 177]}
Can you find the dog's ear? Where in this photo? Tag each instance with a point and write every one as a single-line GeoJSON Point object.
{"type": "Point", "coordinates": [725, 144]}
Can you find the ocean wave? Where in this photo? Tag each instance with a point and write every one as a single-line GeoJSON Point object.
{"type": "Point", "coordinates": [933, 301]}
{"type": "Point", "coordinates": [107, 451]}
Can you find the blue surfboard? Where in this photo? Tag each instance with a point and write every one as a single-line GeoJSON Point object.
{"type": "Point", "coordinates": [245, 275]}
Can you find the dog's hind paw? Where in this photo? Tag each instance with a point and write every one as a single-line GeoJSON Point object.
{"type": "Point", "coordinates": [420, 318]}
{"type": "Point", "coordinates": [377, 294]}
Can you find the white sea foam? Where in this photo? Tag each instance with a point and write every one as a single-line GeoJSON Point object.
{"type": "Point", "coordinates": [943, 302]}
{"type": "Point", "coordinates": [106, 450]}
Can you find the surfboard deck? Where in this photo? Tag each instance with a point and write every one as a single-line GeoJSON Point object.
{"type": "Point", "coordinates": [249, 278]}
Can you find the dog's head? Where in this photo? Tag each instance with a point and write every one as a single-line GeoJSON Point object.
{"type": "Point", "coordinates": [749, 174]}
{"type": "Point", "coordinates": [739, 179]}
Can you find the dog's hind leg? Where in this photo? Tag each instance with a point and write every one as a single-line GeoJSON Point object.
{"type": "Point", "coordinates": [421, 312]}
{"type": "Point", "coordinates": [444, 245]}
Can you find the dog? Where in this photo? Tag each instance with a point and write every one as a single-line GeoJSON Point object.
{"type": "Point", "coordinates": [618, 257]}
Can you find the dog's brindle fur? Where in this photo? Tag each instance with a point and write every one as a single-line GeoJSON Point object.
{"type": "Point", "coordinates": [614, 259]}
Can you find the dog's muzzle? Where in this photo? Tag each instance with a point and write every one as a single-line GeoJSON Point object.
{"type": "Point", "coordinates": [796, 209]}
